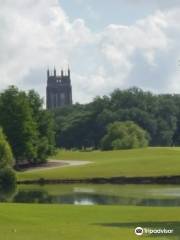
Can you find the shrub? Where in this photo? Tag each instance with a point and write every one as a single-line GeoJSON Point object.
{"type": "Point", "coordinates": [7, 179]}
{"type": "Point", "coordinates": [124, 135]}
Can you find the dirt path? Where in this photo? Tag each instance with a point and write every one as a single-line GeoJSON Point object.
{"type": "Point", "coordinates": [51, 164]}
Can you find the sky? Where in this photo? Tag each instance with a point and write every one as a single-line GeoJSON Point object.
{"type": "Point", "coordinates": [107, 44]}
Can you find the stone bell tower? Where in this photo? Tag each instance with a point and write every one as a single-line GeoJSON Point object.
{"type": "Point", "coordinates": [59, 89]}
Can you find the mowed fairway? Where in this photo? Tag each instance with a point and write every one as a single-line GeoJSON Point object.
{"type": "Point", "coordinates": [54, 222]}
{"type": "Point", "coordinates": [139, 162]}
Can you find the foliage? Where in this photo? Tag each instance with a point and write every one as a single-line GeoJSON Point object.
{"type": "Point", "coordinates": [45, 127]}
{"type": "Point", "coordinates": [6, 157]}
{"type": "Point", "coordinates": [84, 125]}
{"type": "Point", "coordinates": [7, 175]}
{"type": "Point", "coordinates": [7, 179]}
{"type": "Point", "coordinates": [17, 122]}
{"type": "Point", "coordinates": [73, 127]}
{"type": "Point", "coordinates": [28, 127]}
{"type": "Point", "coordinates": [124, 135]}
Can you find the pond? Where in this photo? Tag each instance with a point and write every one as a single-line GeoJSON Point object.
{"type": "Point", "coordinates": [139, 195]}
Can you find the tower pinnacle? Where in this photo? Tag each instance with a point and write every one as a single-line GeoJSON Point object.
{"type": "Point", "coordinates": [54, 71]}
{"type": "Point", "coordinates": [69, 72]}
{"type": "Point", "coordinates": [48, 73]}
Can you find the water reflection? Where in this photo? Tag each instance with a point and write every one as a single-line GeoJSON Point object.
{"type": "Point", "coordinates": [91, 195]}
{"type": "Point", "coordinates": [88, 199]}
{"type": "Point", "coordinates": [6, 194]}
{"type": "Point", "coordinates": [32, 197]}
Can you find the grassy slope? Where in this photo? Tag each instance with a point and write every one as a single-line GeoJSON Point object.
{"type": "Point", "coordinates": [140, 162]}
{"type": "Point", "coordinates": [54, 222]}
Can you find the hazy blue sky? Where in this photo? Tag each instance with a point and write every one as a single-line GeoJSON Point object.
{"type": "Point", "coordinates": [108, 44]}
{"type": "Point", "coordinates": [99, 13]}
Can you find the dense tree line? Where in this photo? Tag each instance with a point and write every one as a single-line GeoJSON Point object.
{"type": "Point", "coordinates": [84, 125]}
{"type": "Point", "coordinates": [28, 127]}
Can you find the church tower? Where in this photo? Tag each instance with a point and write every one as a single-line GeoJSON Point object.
{"type": "Point", "coordinates": [59, 89]}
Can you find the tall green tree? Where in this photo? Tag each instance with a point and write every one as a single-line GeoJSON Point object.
{"type": "Point", "coordinates": [45, 127]}
{"type": "Point", "coordinates": [74, 130]}
{"type": "Point", "coordinates": [18, 124]}
{"type": "Point", "coordinates": [28, 127]}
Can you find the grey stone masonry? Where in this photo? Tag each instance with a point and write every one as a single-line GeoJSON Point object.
{"type": "Point", "coordinates": [59, 89]}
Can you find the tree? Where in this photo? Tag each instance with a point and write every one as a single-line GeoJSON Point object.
{"type": "Point", "coordinates": [159, 115]}
{"type": "Point", "coordinates": [6, 157]}
{"type": "Point", "coordinates": [124, 135]}
{"type": "Point", "coordinates": [74, 133]}
{"type": "Point", "coordinates": [7, 175]}
{"type": "Point", "coordinates": [45, 127]}
{"type": "Point", "coordinates": [18, 124]}
{"type": "Point", "coordinates": [28, 127]}
{"type": "Point", "coordinates": [166, 117]}
{"type": "Point", "coordinates": [7, 179]}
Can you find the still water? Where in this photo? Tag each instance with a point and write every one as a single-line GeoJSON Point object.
{"type": "Point", "coordinates": [139, 195]}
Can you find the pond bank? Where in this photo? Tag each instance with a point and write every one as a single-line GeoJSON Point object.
{"type": "Point", "coordinates": [113, 180]}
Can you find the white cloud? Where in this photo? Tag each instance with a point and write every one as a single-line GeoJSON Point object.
{"type": "Point", "coordinates": [35, 34]}
{"type": "Point", "coordinates": [147, 36]}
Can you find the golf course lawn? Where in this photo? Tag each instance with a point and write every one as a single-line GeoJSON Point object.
{"type": "Point", "coordinates": [97, 222]}
{"type": "Point", "coordinates": [138, 162]}
{"type": "Point", "coordinates": [54, 222]}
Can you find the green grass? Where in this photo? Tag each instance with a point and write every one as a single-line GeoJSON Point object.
{"type": "Point", "coordinates": [139, 162]}
{"type": "Point", "coordinates": [69, 222]}
{"type": "Point", "coordinates": [55, 222]}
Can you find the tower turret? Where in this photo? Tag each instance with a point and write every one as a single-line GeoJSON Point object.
{"type": "Point", "coordinates": [69, 72]}
{"type": "Point", "coordinates": [54, 71]}
{"type": "Point", "coordinates": [62, 73]}
{"type": "Point", "coordinates": [48, 73]}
